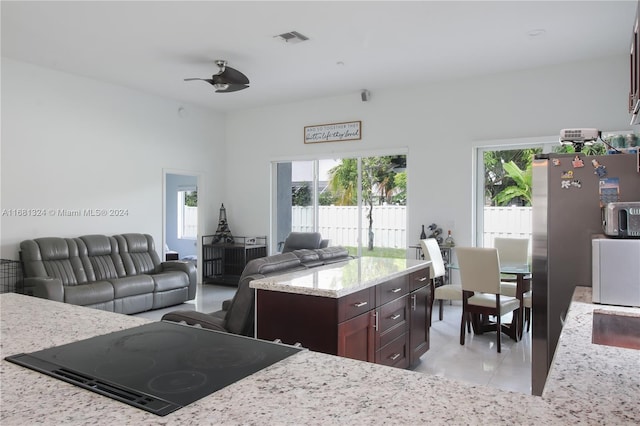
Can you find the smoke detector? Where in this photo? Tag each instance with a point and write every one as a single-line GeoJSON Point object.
{"type": "Point", "coordinates": [292, 37]}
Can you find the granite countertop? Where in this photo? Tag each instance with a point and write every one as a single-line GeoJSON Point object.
{"type": "Point", "coordinates": [593, 383]}
{"type": "Point", "coordinates": [340, 279]}
{"type": "Point", "coordinates": [587, 383]}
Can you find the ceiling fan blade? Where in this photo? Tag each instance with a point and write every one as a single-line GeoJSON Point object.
{"type": "Point", "coordinates": [233, 76]}
{"type": "Point", "coordinates": [208, 80]}
{"type": "Point", "coordinates": [232, 88]}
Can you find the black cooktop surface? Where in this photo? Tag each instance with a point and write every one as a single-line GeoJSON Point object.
{"type": "Point", "coordinates": [158, 367]}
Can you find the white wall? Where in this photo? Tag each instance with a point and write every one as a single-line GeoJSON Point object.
{"type": "Point", "coordinates": [74, 143]}
{"type": "Point", "coordinates": [70, 142]}
{"type": "Point", "coordinates": [439, 124]}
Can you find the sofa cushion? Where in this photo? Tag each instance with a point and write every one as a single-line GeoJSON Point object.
{"type": "Point", "coordinates": [196, 318]}
{"type": "Point", "coordinates": [132, 286]}
{"type": "Point", "coordinates": [89, 294]}
{"type": "Point", "coordinates": [170, 280]}
{"type": "Point", "coordinates": [138, 254]}
{"type": "Point", "coordinates": [333, 254]}
{"type": "Point", "coordinates": [103, 256]}
{"type": "Point", "coordinates": [53, 257]}
{"type": "Point", "coordinates": [308, 258]}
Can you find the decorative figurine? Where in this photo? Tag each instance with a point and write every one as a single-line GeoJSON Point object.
{"type": "Point", "coordinates": [223, 233]}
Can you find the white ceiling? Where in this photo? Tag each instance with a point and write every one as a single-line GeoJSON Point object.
{"type": "Point", "coordinates": [153, 45]}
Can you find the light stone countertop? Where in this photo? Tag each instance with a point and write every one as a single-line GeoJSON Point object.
{"type": "Point", "coordinates": [587, 383]}
{"type": "Point", "coordinates": [340, 279]}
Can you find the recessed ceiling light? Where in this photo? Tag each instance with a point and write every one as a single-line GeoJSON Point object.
{"type": "Point", "coordinates": [538, 32]}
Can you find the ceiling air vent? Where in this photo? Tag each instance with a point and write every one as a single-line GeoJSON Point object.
{"type": "Point", "coordinates": [292, 37]}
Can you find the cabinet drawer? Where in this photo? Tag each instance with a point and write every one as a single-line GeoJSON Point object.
{"type": "Point", "coordinates": [354, 304]}
{"type": "Point", "coordinates": [391, 290]}
{"type": "Point", "coordinates": [394, 354]}
{"type": "Point", "coordinates": [393, 320]}
{"type": "Point", "coordinates": [419, 278]}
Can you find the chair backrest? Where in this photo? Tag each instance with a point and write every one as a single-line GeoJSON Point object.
{"type": "Point", "coordinates": [302, 240]}
{"type": "Point", "coordinates": [431, 251]}
{"type": "Point", "coordinates": [479, 269]}
{"type": "Point", "coordinates": [240, 316]}
{"type": "Point", "coordinates": [513, 251]}
{"type": "Point", "coordinates": [53, 257]}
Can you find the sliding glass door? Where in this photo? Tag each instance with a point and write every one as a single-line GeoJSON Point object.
{"type": "Point", "coordinates": [356, 202]}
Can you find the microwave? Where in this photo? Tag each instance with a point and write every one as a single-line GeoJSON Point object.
{"type": "Point", "coordinates": [621, 220]}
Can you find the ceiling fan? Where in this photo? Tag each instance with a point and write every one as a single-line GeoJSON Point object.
{"type": "Point", "coordinates": [226, 80]}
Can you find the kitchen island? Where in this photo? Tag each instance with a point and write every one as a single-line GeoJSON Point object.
{"type": "Point", "coordinates": [586, 384]}
{"type": "Point", "coordinates": [370, 309]}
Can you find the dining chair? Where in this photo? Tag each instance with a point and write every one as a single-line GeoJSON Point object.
{"type": "Point", "coordinates": [480, 276]}
{"type": "Point", "coordinates": [431, 251]}
{"type": "Point", "coordinates": [527, 303]}
{"type": "Point", "coordinates": [512, 252]}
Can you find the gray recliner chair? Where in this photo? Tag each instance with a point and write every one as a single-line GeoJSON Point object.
{"type": "Point", "coordinates": [238, 318]}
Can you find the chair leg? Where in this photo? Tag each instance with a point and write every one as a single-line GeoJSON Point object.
{"type": "Point", "coordinates": [527, 317]}
{"type": "Point", "coordinates": [462, 327]}
{"type": "Point", "coordinates": [440, 301]}
{"type": "Point", "coordinates": [499, 331]}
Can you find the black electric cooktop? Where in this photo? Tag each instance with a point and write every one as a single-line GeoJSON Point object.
{"type": "Point", "coordinates": [158, 367]}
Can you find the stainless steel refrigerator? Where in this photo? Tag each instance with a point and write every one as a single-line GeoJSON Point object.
{"type": "Point", "coordinates": [568, 190]}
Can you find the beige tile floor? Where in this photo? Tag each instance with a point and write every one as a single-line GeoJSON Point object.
{"type": "Point", "coordinates": [476, 362]}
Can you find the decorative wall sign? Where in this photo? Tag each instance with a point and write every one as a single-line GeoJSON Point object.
{"type": "Point", "coordinates": [335, 132]}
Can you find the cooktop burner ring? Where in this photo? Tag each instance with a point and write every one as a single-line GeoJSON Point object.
{"type": "Point", "coordinates": [142, 341]}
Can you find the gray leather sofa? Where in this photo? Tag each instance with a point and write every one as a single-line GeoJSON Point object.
{"type": "Point", "coordinates": [237, 314]}
{"type": "Point", "coordinates": [120, 273]}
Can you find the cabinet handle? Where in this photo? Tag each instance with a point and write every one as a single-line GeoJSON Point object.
{"type": "Point", "coordinates": [413, 302]}
{"type": "Point", "coordinates": [423, 279]}
{"type": "Point", "coordinates": [394, 357]}
{"type": "Point", "coordinates": [395, 290]}
{"type": "Point", "coordinates": [375, 322]}
{"type": "Point", "coordinates": [360, 304]}
{"type": "Point", "coordinates": [395, 317]}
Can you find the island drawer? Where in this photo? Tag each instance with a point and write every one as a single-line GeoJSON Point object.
{"type": "Point", "coordinates": [392, 321]}
{"type": "Point", "coordinates": [419, 278]}
{"type": "Point", "coordinates": [395, 353]}
{"type": "Point", "coordinates": [392, 289]}
{"type": "Point", "coordinates": [354, 304]}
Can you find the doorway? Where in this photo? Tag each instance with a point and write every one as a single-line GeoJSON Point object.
{"type": "Point", "coordinates": [181, 215]}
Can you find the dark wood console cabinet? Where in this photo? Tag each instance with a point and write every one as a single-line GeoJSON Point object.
{"type": "Point", "coordinates": [223, 263]}
{"type": "Point", "coordinates": [387, 323]}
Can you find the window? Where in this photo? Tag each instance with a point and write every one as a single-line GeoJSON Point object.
{"type": "Point", "coordinates": [356, 202]}
{"type": "Point", "coordinates": [187, 214]}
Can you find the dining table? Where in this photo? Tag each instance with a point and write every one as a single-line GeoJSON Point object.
{"type": "Point", "coordinates": [521, 274]}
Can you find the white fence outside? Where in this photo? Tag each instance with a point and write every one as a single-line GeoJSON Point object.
{"type": "Point", "coordinates": [340, 224]}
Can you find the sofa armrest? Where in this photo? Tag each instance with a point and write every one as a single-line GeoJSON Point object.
{"type": "Point", "coordinates": [186, 267]}
{"type": "Point", "coordinates": [207, 321]}
{"type": "Point", "coordinates": [45, 288]}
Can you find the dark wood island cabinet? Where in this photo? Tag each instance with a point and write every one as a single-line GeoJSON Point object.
{"type": "Point", "coordinates": [381, 316]}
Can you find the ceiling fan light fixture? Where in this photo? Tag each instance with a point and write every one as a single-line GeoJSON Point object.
{"type": "Point", "coordinates": [221, 86]}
